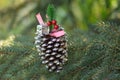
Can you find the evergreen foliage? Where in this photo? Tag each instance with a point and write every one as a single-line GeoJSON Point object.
{"type": "Point", "coordinates": [94, 55]}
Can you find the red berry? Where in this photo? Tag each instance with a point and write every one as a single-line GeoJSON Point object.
{"type": "Point", "coordinates": [56, 27]}
{"type": "Point", "coordinates": [49, 23]}
{"type": "Point", "coordinates": [54, 22]}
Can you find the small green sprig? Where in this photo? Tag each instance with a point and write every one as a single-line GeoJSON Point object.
{"type": "Point", "coordinates": [51, 14]}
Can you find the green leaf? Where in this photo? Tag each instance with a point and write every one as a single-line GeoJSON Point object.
{"type": "Point", "coordinates": [51, 14]}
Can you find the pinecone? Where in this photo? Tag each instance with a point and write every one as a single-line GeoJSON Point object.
{"type": "Point", "coordinates": [51, 41]}
{"type": "Point", "coordinates": [52, 51]}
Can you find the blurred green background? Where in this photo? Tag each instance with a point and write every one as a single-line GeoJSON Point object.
{"type": "Point", "coordinates": [18, 16]}
{"type": "Point", "coordinates": [92, 53]}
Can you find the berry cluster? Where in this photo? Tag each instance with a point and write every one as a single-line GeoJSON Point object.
{"type": "Point", "coordinates": [53, 22]}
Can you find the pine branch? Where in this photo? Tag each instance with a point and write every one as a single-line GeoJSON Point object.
{"type": "Point", "coordinates": [91, 57]}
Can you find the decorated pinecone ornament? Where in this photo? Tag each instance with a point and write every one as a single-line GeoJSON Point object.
{"type": "Point", "coordinates": [51, 43]}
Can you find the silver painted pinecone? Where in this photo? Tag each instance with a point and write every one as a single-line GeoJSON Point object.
{"type": "Point", "coordinates": [52, 50]}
